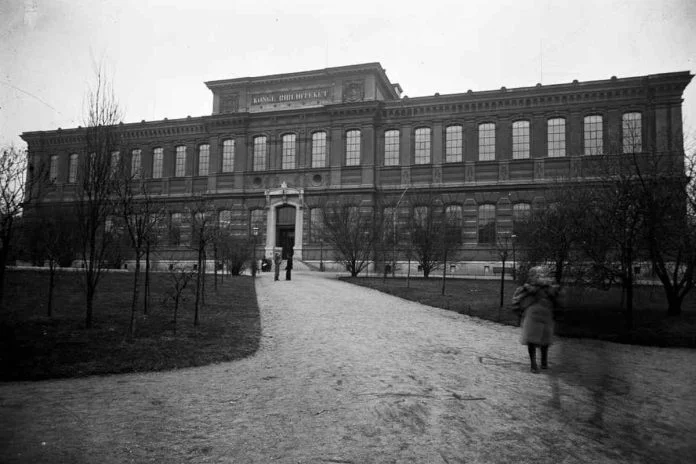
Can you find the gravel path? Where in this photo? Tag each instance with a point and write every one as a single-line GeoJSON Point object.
{"type": "Point", "coordinates": [350, 375]}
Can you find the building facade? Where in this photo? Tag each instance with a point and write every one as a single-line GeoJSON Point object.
{"type": "Point", "coordinates": [276, 146]}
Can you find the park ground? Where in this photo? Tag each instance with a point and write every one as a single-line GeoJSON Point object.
{"type": "Point", "coordinates": [350, 375]}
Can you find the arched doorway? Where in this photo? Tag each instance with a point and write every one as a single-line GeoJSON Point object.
{"type": "Point", "coordinates": [285, 229]}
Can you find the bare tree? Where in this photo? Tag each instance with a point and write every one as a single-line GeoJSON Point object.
{"type": "Point", "coordinates": [234, 251]}
{"type": "Point", "coordinates": [95, 186]}
{"type": "Point", "coordinates": [141, 215]}
{"type": "Point", "coordinates": [351, 231]}
{"type": "Point", "coordinates": [51, 237]}
{"type": "Point", "coordinates": [179, 276]}
{"type": "Point", "coordinates": [17, 187]}
{"type": "Point", "coordinates": [203, 232]}
{"type": "Point", "coordinates": [434, 232]}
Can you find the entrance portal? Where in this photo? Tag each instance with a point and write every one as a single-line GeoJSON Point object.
{"type": "Point", "coordinates": [285, 229]}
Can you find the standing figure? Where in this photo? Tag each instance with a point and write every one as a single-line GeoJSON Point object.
{"type": "Point", "coordinates": [277, 259]}
{"type": "Point", "coordinates": [536, 301]}
{"type": "Point", "coordinates": [288, 267]}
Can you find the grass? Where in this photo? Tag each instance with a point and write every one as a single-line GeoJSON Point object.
{"type": "Point", "coordinates": [34, 346]}
{"type": "Point", "coordinates": [586, 312]}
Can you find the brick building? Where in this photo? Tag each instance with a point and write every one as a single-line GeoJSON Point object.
{"type": "Point", "coordinates": [275, 146]}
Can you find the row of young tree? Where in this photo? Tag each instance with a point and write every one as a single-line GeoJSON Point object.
{"type": "Point", "coordinates": [596, 228]}
{"type": "Point", "coordinates": [112, 216]}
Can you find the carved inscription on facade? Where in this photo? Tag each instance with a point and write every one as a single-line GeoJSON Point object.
{"type": "Point", "coordinates": [289, 96]}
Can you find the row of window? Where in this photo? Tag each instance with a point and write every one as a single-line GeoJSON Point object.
{"type": "Point", "coordinates": [454, 147]}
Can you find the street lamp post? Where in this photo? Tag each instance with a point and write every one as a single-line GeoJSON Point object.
{"type": "Point", "coordinates": [255, 233]}
{"type": "Point", "coordinates": [514, 264]}
{"type": "Point", "coordinates": [321, 254]}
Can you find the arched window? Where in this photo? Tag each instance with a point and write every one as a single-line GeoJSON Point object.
{"type": "Point", "coordinates": [203, 159]}
{"type": "Point", "coordinates": [486, 224]}
{"type": "Point", "coordinates": [455, 221]}
{"type": "Point", "coordinates": [556, 137]}
{"type": "Point", "coordinates": [486, 139]}
{"type": "Point", "coordinates": [594, 144]}
{"type": "Point", "coordinates": [520, 140]}
{"type": "Point", "coordinates": [288, 151]}
{"type": "Point", "coordinates": [391, 148]}
{"type": "Point", "coordinates": [157, 159]}
{"type": "Point", "coordinates": [115, 162]}
{"type": "Point", "coordinates": [319, 149]}
{"type": "Point", "coordinates": [53, 168]}
{"type": "Point", "coordinates": [180, 166]}
{"type": "Point", "coordinates": [136, 164]}
{"type": "Point", "coordinates": [632, 132]}
{"type": "Point", "coordinates": [521, 214]}
{"type": "Point", "coordinates": [260, 153]}
{"type": "Point", "coordinates": [453, 144]}
{"type": "Point", "coordinates": [422, 145]}
{"type": "Point", "coordinates": [72, 168]}
{"type": "Point", "coordinates": [228, 155]}
{"type": "Point", "coordinates": [353, 148]}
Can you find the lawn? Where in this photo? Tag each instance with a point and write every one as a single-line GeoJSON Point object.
{"type": "Point", "coordinates": [585, 312]}
{"type": "Point", "coordinates": [34, 346]}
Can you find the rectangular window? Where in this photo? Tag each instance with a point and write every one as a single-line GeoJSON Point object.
{"type": "Point", "coordinates": [228, 155]}
{"type": "Point", "coordinates": [203, 159]}
{"type": "Point", "coordinates": [520, 140]}
{"type": "Point", "coordinates": [556, 137]}
{"type": "Point", "coordinates": [486, 139]}
{"type": "Point", "coordinates": [180, 167]}
{"type": "Point", "coordinates": [422, 145]}
{"type": "Point", "coordinates": [315, 224]}
{"type": "Point", "coordinates": [593, 135]}
{"type": "Point", "coordinates": [53, 168]}
{"type": "Point", "coordinates": [225, 219]}
{"type": "Point", "coordinates": [319, 149]}
{"type": "Point", "coordinates": [72, 168]}
{"type": "Point", "coordinates": [176, 229]}
{"type": "Point", "coordinates": [289, 150]}
{"type": "Point", "coordinates": [632, 133]}
{"type": "Point", "coordinates": [260, 153]}
{"type": "Point", "coordinates": [115, 162]}
{"type": "Point", "coordinates": [391, 148]}
{"type": "Point", "coordinates": [455, 222]}
{"type": "Point", "coordinates": [157, 159]}
{"type": "Point", "coordinates": [353, 148]}
{"type": "Point", "coordinates": [486, 224]}
{"type": "Point", "coordinates": [453, 144]}
{"type": "Point", "coordinates": [256, 219]}
{"type": "Point", "coordinates": [136, 162]}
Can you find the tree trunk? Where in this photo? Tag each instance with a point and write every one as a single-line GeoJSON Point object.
{"type": "Point", "coordinates": [3, 264]}
{"type": "Point", "coordinates": [444, 272]}
{"type": "Point", "coordinates": [198, 291]}
{"type": "Point", "coordinates": [502, 288]}
{"type": "Point", "coordinates": [215, 273]}
{"type": "Point", "coordinates": [134, 302]}
{"type": "Point", "coordinates": [176, 308]}
{"type": "Point", "coordinates": [51, 287]}
{"type": "Point", "coordinates": [51, 284]}
{"type": "Point", "coordinates": [147, 278]}
{"type": "Point", "coordinates": [629, 302]}
{"type": "Point", "coordinates": [674, 302]}
{"type": "Point", "coordinates": [90, 303]}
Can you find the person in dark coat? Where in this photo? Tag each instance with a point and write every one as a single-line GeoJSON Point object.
{"type": "Point", "coordinates": [536, 301]}
{"type": "Point", "coordinates": [288, 267]}
{"type": "Point", "coordinates": [277, 260]}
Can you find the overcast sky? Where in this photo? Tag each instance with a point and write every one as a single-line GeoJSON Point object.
{"type": "Point", "coordinates": [158, 53]}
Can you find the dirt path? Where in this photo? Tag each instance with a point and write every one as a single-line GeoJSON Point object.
{"type": "Point", "coordinates": [349, 375]}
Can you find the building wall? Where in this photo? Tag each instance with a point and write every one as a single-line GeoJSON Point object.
{"type": "Point", "coordinates": [502, 181]}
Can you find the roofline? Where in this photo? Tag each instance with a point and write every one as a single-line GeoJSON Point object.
{"type": "Point", "coordinates": [302, 75]}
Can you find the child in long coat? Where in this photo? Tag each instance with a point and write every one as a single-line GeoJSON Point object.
{"type": "Point", "coordinates": [536, 301]}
